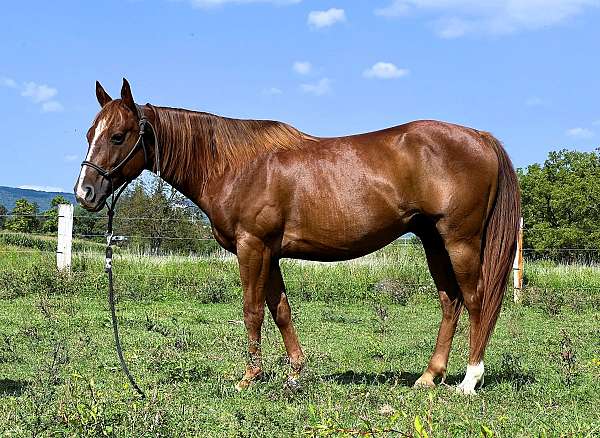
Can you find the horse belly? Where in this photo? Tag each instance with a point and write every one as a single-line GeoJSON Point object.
{"type": "Point", "coordinates": [324, 251]}
{"type": "Point", "coordinates": [341, 225]}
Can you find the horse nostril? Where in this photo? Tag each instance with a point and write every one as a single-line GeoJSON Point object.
{"type": "Point", "coordinates": [89, 192]}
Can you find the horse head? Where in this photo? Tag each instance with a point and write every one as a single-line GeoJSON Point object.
{"type": "Point", "coordinates": [116, 152]}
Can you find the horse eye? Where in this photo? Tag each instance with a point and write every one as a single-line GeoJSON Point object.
{"type": "Point", "coordinates": [117, 138]}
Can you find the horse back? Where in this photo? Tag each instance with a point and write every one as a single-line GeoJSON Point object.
{"type": "Point", "coordinates": [339, 198]}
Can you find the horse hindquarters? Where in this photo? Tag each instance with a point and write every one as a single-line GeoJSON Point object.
{"type": "Point", "coordinates": [498, 248]}
{"type": "Point", "coordinates": [470, 263]}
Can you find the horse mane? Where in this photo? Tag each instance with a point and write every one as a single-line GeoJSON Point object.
{"type": "Point", "coordinates": [203, 145]}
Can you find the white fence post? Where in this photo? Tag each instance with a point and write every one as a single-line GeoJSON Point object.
{"type": "Point", "coordinates": [65, 237]}
{"type": "Point", "coordinates": [518, 267]}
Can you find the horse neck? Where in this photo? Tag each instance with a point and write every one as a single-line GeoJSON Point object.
{"type": "Point", "coordinates": [197, 148]}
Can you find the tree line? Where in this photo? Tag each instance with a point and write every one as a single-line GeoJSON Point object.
{"type": "Point", "coordinates": [561, 203]}
{"type": "Point", "coordinates": [26, 217]}
{"type": "Point", "coordinates": [560, 199]}
{"type": "Point", "coordinates": [153, 217]}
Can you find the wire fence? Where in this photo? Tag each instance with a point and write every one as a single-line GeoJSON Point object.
{"type": "Point", "coordinates": [167, 243]}
{"type": "Point", "coordinates": [201, 224]}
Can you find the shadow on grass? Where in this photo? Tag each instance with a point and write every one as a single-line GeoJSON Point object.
{"type": "Point", "coordinates": [13, 388]}
{"type": "Point", "coordinates": [519, 381]}
{"type": "Point", "coordinates": [385, 378]}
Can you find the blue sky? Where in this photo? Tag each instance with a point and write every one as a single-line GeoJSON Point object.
{"type": "Point", "coordinates": [526, 70]}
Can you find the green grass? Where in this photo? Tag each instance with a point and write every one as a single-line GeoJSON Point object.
{"type": "Point", "coordinates": [368, 328]}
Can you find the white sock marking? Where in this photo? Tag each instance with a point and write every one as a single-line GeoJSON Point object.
{"type": "Point", "coordinates": [473, 376]}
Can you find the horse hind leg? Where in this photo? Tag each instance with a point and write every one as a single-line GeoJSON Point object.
{"type": "Point", "coordinates": [282, 315]}
{"type": "Point", "coordinates": [441, 270]}
{"type": "Point", "coordinates": [466, 262]}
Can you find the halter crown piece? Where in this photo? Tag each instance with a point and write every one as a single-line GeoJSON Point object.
{"type": "Point", "coordinates": [110, 240]}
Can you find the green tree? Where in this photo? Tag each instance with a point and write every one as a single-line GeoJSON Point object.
{"type": "Point", "coordinates": [24, 217]}
{"type": "Point", "coordinates": [561, 201]}
{"type": "Point", "coordinates": [50, 222]}
{"type": "Point", "coordinates": [3, 213]}
{"type": "Point", "coordinates": [87, 223]}
{"type": "Point", "coordinates": [161, 220]}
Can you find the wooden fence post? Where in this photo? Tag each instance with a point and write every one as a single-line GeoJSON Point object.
{"type": "Point", "coordinates": [65, 237]}
{"type": "Point", "coordinates": [518, 267]}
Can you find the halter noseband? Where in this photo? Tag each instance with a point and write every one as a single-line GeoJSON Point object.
{"type": "Point", "coordinates": [108, 174]}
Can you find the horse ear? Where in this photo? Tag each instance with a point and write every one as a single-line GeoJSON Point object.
{"type": "Point", "coordinates": [127, 97]}
{"type": "Point", "coordinates": [101, 95]}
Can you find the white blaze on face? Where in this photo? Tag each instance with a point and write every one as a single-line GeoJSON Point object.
{"type": "Point", "coordinates": [100, 128]}
{"type": "Point", "coordinates": [473, 376]}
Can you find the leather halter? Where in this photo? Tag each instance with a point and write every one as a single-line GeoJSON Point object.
{"type": "Point", "coordinates": [108, 174]}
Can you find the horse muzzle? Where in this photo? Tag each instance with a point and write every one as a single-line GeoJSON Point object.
{"type": "Point", "coordinates": [91, 197]}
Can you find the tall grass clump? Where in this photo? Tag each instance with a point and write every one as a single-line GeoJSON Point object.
{"type": "Point", "coordinates": [395, 275]}
{"type": "Point", "coordinates": [44, 243]}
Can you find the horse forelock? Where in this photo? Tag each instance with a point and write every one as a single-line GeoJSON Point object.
{"type": "Point", "coordinates": [111, 114]}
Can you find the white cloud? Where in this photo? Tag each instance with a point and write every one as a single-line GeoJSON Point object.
{"type": "Point", "coordinates": [453, 27]}
{"type": "Point", "coordinates": [455, 18]}
{"type": "Point", "coordinates": [319, 88]}
{"type": "Point", "coordinates": [38, 93]}
{"type": "Point", "coordinates": [395, 9]}
{"type": "Point", "coordinates": [385, 70]}
{"type": "Point", "coordinates": [41, 94]}
{"type": "Point", "coordinates": [41, 188]}
{"type": "Point", "coordinates": [535, 101]}
{"type": "Point", "coordinates": [205, 4]}
{"type": "Point", "coordinates": [273, 91]}
{"type": "Point", "coordinates": [70, 158]}
{"type": "Point", "coordinates": [8, 82]}
{"type": "Point", "coordinates": [596, 123]}
{"type": "Point", "coordinates": [302, 67]}
{"type": "Point", "coordinates": [580, 133]}
{"type": "Point", "coordinates": [320, 19]}
{"type": "Point", "coordinates": [52, 106]}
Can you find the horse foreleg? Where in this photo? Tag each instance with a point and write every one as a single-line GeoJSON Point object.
{"type": "Point", "coordinates": [282, 315]}
{"type": "Point", "coordinates": [254, 259]}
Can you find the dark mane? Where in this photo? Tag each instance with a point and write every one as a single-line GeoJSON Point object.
{"type": "Point", "coordinates": [205, 144]}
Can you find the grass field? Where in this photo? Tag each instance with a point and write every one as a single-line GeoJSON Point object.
{"type": "Point", "coordinates": [368, 328]}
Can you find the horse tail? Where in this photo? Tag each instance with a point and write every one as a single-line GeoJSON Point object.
{"type": "Point", "coordinates": [499, 243]}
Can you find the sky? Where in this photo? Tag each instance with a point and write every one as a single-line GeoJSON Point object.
{"type": "Point", "coordinates": [526, 70]}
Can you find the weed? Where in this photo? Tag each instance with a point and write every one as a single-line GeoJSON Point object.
{"type": "Point", "coordinates": [511, 370]}
{"type": "Point", "coordinates": [398, 291]}
{"type": "Point", "coordinates": [8, 351]}
{"type": "Point", "coordinates": [381, 319]}
{"type": "Point", "coordinates": [567, 359]}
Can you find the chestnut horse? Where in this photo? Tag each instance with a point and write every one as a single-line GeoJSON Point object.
{"type": "Point", "coordinates": [272, 192]}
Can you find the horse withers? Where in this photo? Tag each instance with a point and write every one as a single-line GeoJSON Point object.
{"type": "Point", "coordinates": [273, 192]}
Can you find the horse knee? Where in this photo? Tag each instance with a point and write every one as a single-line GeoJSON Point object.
{"type": "Point", "coordinates": [253, 317]}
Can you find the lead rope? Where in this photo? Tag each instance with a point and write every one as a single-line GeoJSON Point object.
{"type": "Point", "coordinates": [110, 240]}
{"type": "Point", "coordinates": [108, 268]}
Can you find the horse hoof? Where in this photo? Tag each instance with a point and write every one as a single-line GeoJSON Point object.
{"type": "Point", "coordinates": [466, 389]}
{"type": "Point", "coordinates": [242, 385]}
{"type": "Point", "coordinates": [424, 383]}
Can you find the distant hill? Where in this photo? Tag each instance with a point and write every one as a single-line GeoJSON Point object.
{"type": "Point", "coordinates": [9, 195]}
